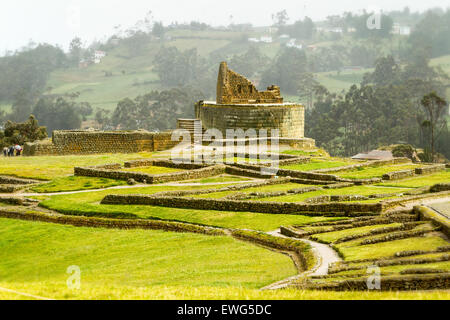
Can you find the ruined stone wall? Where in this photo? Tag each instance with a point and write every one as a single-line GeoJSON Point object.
{"type": "Point", "coordinates": [289, 119]}
{"type": "Point", "coordinates": [97, 142]}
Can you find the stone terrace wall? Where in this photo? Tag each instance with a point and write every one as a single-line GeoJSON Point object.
{"type": "Point", "coordinates": [149, 178]}
{"type": "Point", "coordinates": [95, 142]}
{"type": "Point", "coordinates": [323, 209]}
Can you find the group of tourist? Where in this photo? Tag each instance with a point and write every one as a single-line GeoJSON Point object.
{"type": "Point", "coordinates": [12, 151]}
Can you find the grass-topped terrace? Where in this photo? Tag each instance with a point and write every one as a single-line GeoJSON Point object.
{"type": "Point", "coordinates": [353, 251]}
{"type": "Point", "coordinates": [316, 164]}
{"type": "Point", "coordinates": [76, 183]}
{"type": "Point", "coordinates": [420, 181]}
{"type": "Point", "coordinates": [88, 204]}
{"type": "Point", "coordinates": [152, 170]}
{"type": "Point", "coordinates": [374, 171]}
{"type": "Point", "coordinates": [132, 259]}
{"type": "Point", "coordinates": [50, 167]}
{"type": "Point", "coordinates": [355, 190]}
{"type": "Point", "coordinates": [267, 188]}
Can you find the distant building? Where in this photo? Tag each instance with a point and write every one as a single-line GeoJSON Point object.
{"type": "Point", "coordinates": [374, 155]}
{"type": "Point", "coordinates": [98, 56]}
{"type": "Point", "coordinates": [293, 44]}
{"type": "Point", "coordinates": [401, 30]}
{"type": "Point", "coordinates": [253, 40]}
{"type": "Point", "coordinates": [266, 39]}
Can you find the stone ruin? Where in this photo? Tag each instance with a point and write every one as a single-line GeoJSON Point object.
{"type": "Point", "coordinates": [233, 88]}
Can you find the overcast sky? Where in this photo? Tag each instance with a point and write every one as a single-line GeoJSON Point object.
{"type": "Point", "coordinates": [58, 21]}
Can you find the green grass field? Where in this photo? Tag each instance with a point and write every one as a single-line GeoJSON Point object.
{"type": "Point", "coordinates": [75, 183]}
{"type": "Point", "coordinates": [374, 172]}
{"type": "Point", "coordinates": [152, 170]}
{"type": "Point", "coordinates": [132, 259]}
{"type": "Point", "coordinates": [352, 251]}
{"type": "Point", "coordinates": [50, 167]}
{"type": "Point", "coordinates": [420, 181]}
{"type": "Point", "coordinates": [316, 164]}
{"type": "Point", "coordinates": [355, 190]}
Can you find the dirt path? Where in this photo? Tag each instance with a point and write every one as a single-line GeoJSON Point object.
{"type": "Point", "coordinates": [325, 255]}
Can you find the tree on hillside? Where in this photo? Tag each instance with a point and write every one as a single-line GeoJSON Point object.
{"type": "Point", "coordinates": [75, 51]}
{"type": "Point", "coordinates": [280, 18]}
{"type": "Point", "coordinates": [57, 113]}
{"type": "Point", "coordinates": [19, 133]}
{"type": "Point", "coordinates": [435, 122]}
{"type": "Point", "coordinates": [287, 71]}
{"type": "Point", "coordinates": [21, 107]}
{"type": "Point", "coordinates": [158, 30]}
{"type": "Point", "coordinates": [249, 63]}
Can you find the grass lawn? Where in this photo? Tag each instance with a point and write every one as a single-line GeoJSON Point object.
{"type": "Point", "coordinates": [420, 181]}
{"type": "Point", "coordinates": [294, 152]}
{"type": "Point", "coordinates": [388, 249]}
{"type": "Point", "coordinates": [88, 204]}
{"type": "Point", "coordinates": [75, 183]}
{"type": "Point", "coordinates": [374, 172]}
{"type": "Point", "coordinates": [329, 237]}
{"type": "Point", "coordinates": [153, 170]}
{"type": "Point", "coordinates": [316, 164]}
{"type": "Point", "coordinates": [355, 190]}
{"type": "Point", "coordinates": [40, 252]}
{"type": "Point", "coordinates": [219, 179]}
{"type": "Point", "coordinates": [268, 188]}
{"type": "Point", "coordinates": [50, 167]}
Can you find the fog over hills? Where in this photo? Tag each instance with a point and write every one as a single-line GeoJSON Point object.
{"type": "Point", "coordinates": [57, 22]}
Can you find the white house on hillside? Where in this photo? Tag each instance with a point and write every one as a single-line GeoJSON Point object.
{"type": "Point", "coordinates": [98, 56]}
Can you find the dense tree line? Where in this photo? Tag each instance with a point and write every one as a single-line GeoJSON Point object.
{"type": "Point", "coordinates": [152, 111]}
{"type": "Point", "coordinates": [388, 107]}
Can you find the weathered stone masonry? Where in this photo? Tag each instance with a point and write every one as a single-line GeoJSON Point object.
{"type": "Point", "coordinates": [95, 142]}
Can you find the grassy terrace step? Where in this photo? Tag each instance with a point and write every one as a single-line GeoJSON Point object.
{"type": "Point", "coordinates": [360, 190]}
{"type": "Point", "coordinates": [75, 183]}
{"type": "Point", "coordinates": [88, 204]}
{"type": "Point", "coordinates": [373, 172]}
{"type": "Point", "coordinates": [315, 164]}
{"type": "Point", "coordinates": [420, 181]}
{"type": "Point", "coordinates": [59, 166]}
{"type": "Point", "coordinates": [335, 236]}
{"type": "Point", "coordinates": [354, 251]}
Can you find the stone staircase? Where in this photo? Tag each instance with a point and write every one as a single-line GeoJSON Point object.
{"type": "Point", "coordinates": [194, 126]}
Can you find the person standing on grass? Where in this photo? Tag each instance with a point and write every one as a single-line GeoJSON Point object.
{"type": "Point", "coordinates": [5, 151]}
{"type": "Point", "coordinates": [11, 151]}
{"type": "Point", "coordinates": [18, 150]}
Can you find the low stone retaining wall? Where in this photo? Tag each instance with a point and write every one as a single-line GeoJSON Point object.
{"type": "Point", "coordinates": [97, 142]}
{"type": "Point", "coordinates": [440, 187]}
{"type": "Point", "coordinates": [163, 163]}
{"type": "Point", "coordinates": [430, 169]}
{"type": "Point", "coordinates": [437, 219]}
{"type": "Point", "coordinates": [396, 175]}
{"type": "Point", "coordinates": [388, 283]}
{"type": "Point", "coordinates": [364, 164]}
{"type": "Point", "coordinates": [110, 223]}
{"type": "Point", "coordinates": [303, 250]}
{"type": "Point", "coordinates": [148, 178]}
{"type": "Point", "coordinates": [387, 263]}
{"type": "Point", "coordinates": [248, 173]}
{"type": "Point", "coordinates": [330, 209]}
{"type": "Point", "coordinates": [387, 204]}
{"type": "Point", "coordinates": [14, 180]}
{"type": "Point", "coordinates": [10, 188]}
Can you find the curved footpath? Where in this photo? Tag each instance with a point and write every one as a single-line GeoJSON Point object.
{"type": "Point", "coordinates": [325, 255]}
